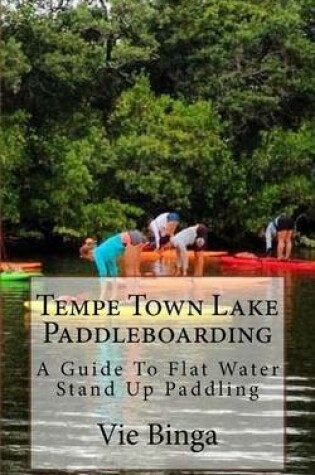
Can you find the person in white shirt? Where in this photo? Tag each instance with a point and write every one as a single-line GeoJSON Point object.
{"type": "Point", "coordinates": [162, 228]}
{"type": "Point", "coordinates": [195, 237]}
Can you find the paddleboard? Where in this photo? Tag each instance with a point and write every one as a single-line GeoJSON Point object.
{"type": "Point", "coordinates": [268, 263]}
{"type": "Point", "coordinates": [18, 275]}
{"type": "Point", "coordinates": [26, 266]}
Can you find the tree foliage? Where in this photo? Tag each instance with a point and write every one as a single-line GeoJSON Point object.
{"type": "Point", "coordinates": [115, 111]}
{"type": "Point", "coordinates": [254, 59]}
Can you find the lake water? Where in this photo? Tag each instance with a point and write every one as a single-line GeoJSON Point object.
{"type": "Point", "coordinates": [300, 348]}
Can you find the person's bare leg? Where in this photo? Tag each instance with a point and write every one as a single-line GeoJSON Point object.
{"type": "Point", "coordinates": [288, 244]}
{"type": "Point", "coordinates": [281, 244]}
{"type": "Point", "coordinates": [185, 262]}
{"type": "Point", "coordinates": [198, 264]}
{"type": "Point", "coordinates": [178, 263]}
{"type": "Point", "coordinates": [131, 262]}
{"type": "Point", "coordinates": [128, 260]}
{"type": "Point", "coordinates": [137, 261]}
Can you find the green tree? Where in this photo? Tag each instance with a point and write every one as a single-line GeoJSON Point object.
{"type": "Point", "coordinates": [171, 154]}
{"type": "Point", "coordinates": [64, 64]}
{"type": "Point", "coordinates": [253, 59]}
{"type": "Point", "coordinates": [12, 143]}
{"type": "Point", "coordinates": [281, 175]}
{"type": "Point", "coordinates": [77, 55]}
{"type": "Point", "coordinates": [116, 110]}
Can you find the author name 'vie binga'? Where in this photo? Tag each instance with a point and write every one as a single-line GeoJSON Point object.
{"type": "Point", "coordinates": [157, 435]}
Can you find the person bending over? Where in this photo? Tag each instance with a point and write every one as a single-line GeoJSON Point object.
{"type": "Point", "coordinates": [196, 237]}
{"type": "Point", "coordinates": [162, 228]}
{"type": "Point", "coordinates": [106, 254]}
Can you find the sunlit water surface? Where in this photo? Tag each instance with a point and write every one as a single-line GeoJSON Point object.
{"type": "Point", "coordinates": [300, 347]}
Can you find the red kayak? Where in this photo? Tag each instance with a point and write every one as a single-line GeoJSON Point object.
{"type": "Point", "coordinates": [25, 266]}
{"type": "Point", "coordinates": [252, 261]}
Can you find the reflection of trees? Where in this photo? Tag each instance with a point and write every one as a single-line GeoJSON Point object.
{"type": "Point", "coordinates": [289, 297]}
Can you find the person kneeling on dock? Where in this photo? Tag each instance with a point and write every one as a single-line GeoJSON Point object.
{"type": "Point", "coordinates": [106, 254]}
{"type": "Point", "coordinates": [280, 229]}
{"type": "Point", "coordinates": [195, 236]}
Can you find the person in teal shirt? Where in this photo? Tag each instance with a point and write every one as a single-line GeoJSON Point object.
{"type": "Point", "coordinates": [106, 254]}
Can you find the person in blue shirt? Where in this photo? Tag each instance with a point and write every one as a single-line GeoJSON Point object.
{"type": "Point", "coordinates": [280, 229]}
{"type": "Point", "coordinates": [106, 254]}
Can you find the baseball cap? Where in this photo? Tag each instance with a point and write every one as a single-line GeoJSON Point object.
{"type": "Point", "coordinates": [173, 217]}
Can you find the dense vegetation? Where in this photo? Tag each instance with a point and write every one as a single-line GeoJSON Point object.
{"type": "Point", "coordinates": [114, 111]}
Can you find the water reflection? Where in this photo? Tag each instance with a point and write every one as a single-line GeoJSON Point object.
{"type": "Point", "coordinates": [300, 328]}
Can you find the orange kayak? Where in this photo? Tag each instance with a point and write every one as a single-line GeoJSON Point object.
{"type": "Point", "coordinates": [25, 266]}
{"type": "Point", "coordinates": [171, 254]}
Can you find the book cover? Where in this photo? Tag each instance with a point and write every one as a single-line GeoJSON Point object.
{"type": "Point", "coordinates": [157, 234]}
